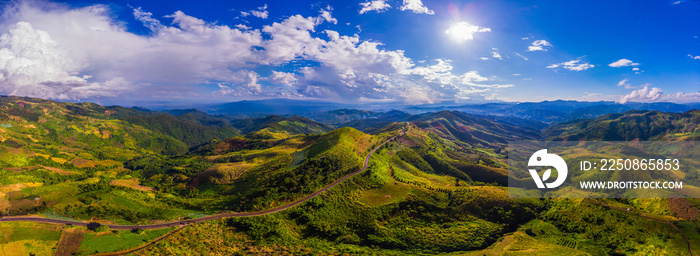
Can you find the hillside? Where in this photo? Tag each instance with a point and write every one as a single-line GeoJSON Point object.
{"type": "Point", "coordinates": [475, 131]}
{"type": "Point", "coordinates": [191, 133]}
{"type": "Point", "coordinates": [631, 125]}
{"type": "Point", "coordinates": [438, 187]}
{"type": "Point", "coordinates": [279, 124]}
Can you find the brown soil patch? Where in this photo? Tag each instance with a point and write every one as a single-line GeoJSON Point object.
{"type": "Point", "coordinates": [221, 173]}
{"type": "Point", "coordinates": [70, 242]}
{"type": "Point", "coordinates": [33, 167]}
{"type": "Point", "coordinates": [406, 141]}
{"type": "Point", "coordinates": [683, 209]}
{"type": "Point", "coordinates": [130, 183]}
{"type": "Point", "coordinates": [20, 151]}
{"type": "Point", "coordinates": [82, 163]}
{"type": "Point", "coordinates": [18, 186]}
{"type": "Point", "coordinates": [4, 203]}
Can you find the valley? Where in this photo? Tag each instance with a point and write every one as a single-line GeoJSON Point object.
{"type": "Point", "coordinates": [332, 182]}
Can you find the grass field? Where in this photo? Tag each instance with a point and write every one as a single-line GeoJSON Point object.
{"type": "Point", "coordinates": [25, 238]}
{"type": "Point", "coordinates": [112, 241]}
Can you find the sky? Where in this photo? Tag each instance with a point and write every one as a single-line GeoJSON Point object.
{"type": "Point", "coordinates": [401, 51]}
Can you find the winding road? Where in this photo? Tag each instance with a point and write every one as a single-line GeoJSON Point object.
{"type": "Point", "coordinates": [202, 219]}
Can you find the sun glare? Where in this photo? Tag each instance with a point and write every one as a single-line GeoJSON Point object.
{"type": "Point", "coordinates": [464, 31]}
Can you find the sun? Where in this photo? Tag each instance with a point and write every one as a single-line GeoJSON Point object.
{"type": "Point", "coordinates": [463, 31]}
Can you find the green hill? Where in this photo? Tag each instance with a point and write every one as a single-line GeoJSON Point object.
{"type": "Point", "coordinates": [438, 187]}
{"type": "Point", "coordinates": [192, 134]}
{"type": "Point", "coordinates": [631, 125]}
{"type": "Point", "coordinates": [475, 131]}
{"type": "Point", "coordinates": [279, 124]}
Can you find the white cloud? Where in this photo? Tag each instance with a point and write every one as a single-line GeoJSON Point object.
{"type": "Point", "coordinates": [377, 5]}
{"type": "Point", "coordinates": [495, 54]}
{"type": "Point", "coordinates": [464, 31]}
{"type": "Point", "coordinates": [32, 64]}
{"type": "Point", "coordinates": [677, 2]}
{"type": "Point", "coordinates": [627, 85]}
{"type": "Point", "coordinates": [623, 82]}
{"type": "Point", "coordinates": [261, 12]}
{"type": "Point", "coordinates": [521, 56]}
{"type": "Point", "coordinates": [683, 97]}
{"type": "Point", "coordinates": [326, 15]}
{"type": "Point", "coordinates": [694, 57]}
{"type": "Point", "coordinates": [623, 63]}
{"type": "Point", "coordinates": [635, 69]}
{"type": "Point", "coordinates": [572, 65]}
{"type": "Point", "coordinates": [440, 73]}
{"type": "Point", "coordinates": [74, 53]}
{"type": "Point", "coordinates": [416, 6]}
{"type": "Point", "coordinates": [242, 27]}
{"type": "Point", "coordinates": [538, 45]}
{"type": "Point", "coordinates": [484, 58]}
{"type": "Point", "coordinates": [284, 78]}
{"type": "Point", "coordinates": [642, 95]}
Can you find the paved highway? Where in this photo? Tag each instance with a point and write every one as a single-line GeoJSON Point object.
{"type": "Point", "coordinates": [206, 218]}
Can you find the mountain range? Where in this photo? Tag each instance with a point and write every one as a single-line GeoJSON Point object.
{"type": "Point", "coordinates": [438, 186]}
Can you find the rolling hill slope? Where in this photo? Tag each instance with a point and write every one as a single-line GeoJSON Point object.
{"type": "Point", "coordinates": [631, 125]}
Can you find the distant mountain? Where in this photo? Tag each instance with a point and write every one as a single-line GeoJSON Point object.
{"type": "Point", "coordinates": [560, 110]}
{"type": "Point", "coordinates": [340, 116]}
{"type": "Point", "coordinates": [631, 125]}
{"type": "Point", "coordinates": [256, 108]}
{"type": "Point", "coordinates": [199, 117]}
{"type": "Point", "coordinates": [372, 124]}
{"type": "Point", "coordinates": [470, 129]}
{"type": "Point", "coordinates": [191, 133]}
{"type": "Point", "coordinates": [280, 124]}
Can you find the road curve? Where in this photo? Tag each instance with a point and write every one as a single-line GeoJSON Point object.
{"type": "Point", "coordinates": [197, 220]}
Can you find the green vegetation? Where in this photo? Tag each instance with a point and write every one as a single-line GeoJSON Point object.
{"type": "Point", "coordinates": [635, 124]}
{"type": "Point", "coordinates": [437, 188]}
{"type": "Point", "coordinates": [112, 241]}
{"type": "Point", "coordinates": [22, 238]}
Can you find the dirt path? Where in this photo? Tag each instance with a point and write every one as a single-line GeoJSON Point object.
{"type": "Point", "coordinates": [143, 245]}
{"type": "Point", "coordinates": [70, 242]}
{"type": "Point", "coordinates": [202, 219]}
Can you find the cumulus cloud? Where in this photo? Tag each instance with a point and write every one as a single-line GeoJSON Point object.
{"type": "Point", "coordinates": [694, 57]}
{"type": "Point", "coordinates": [642, 95]}
{"type": "Point", "coordinates": [538, 45]}
{"type": "Point", "coordinates": [377, 5]}
{"type": "Point", "coordinates": [441, 73]}
{"type": "Point", "coordinates": [261, 12]}
{"type": "Point", "coordinates": [326, 15]}
{"type": "Point", "coordinates": [623, 63]}
{"type": "Point", "coordinates": [32, 64]}
{"type": "Point", "coordinates": [495, 54]}
{"type": "Point", "coordinates": [572, 65]}
{"type": "Point", "coordinates": [683, 97]}
{"type": "Point", "coordinates": [416, 6]}
{"type": "Point", "coordinates": [283, 78]}
{"type": "Point", "coordinates": [73, 53]}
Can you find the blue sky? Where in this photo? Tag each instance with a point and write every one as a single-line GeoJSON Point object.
{"type": "Point", "coordinates": [406, 51]}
